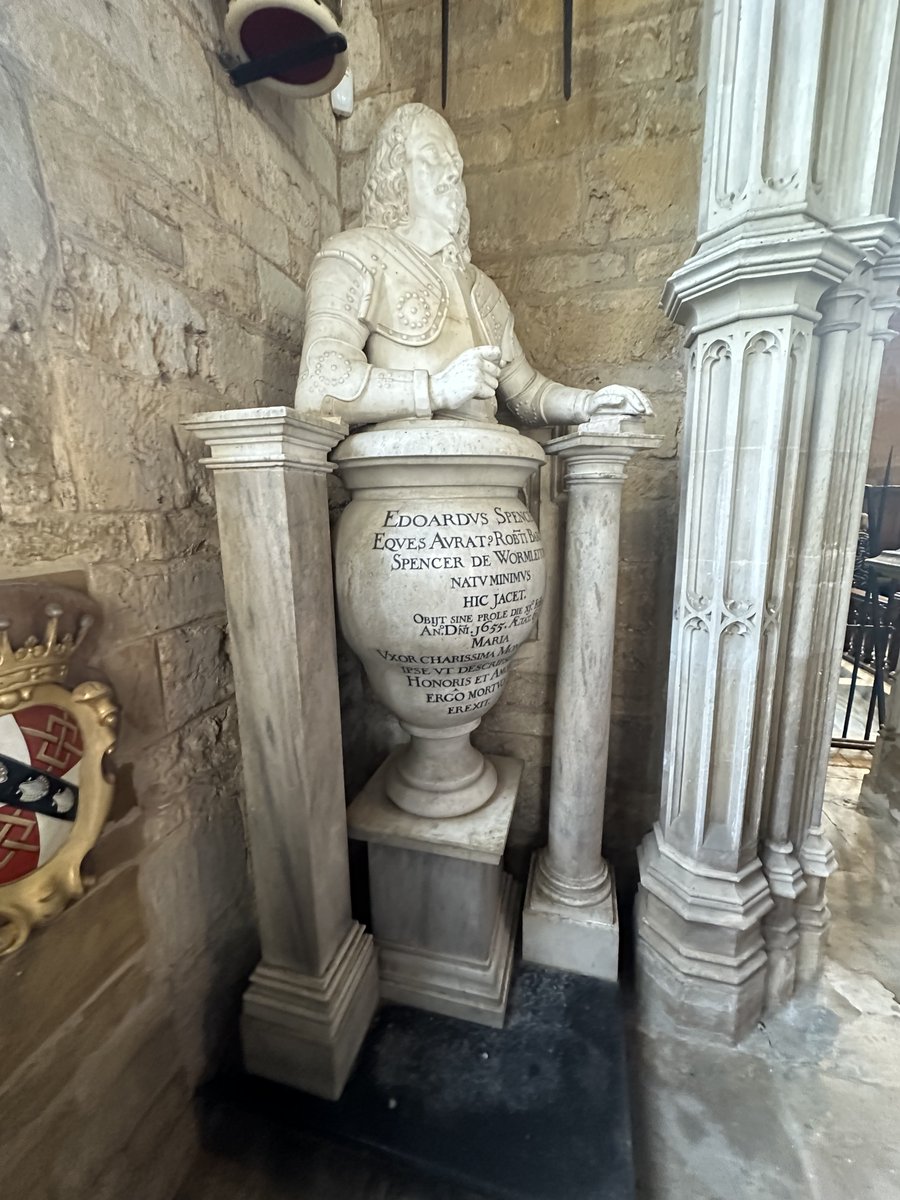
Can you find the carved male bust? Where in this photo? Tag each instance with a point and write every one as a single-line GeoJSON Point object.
{"type": "Point", "coordinates": [400, 324]}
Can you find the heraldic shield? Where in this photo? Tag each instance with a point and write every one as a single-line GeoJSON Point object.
{"type": "Point", "coordinates": [55, 787]}
{"type": "Point", "coordinates": [40, 753]}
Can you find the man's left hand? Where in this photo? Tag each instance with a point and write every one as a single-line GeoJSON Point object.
{"type": "Point", "coordinates": [616, 398]}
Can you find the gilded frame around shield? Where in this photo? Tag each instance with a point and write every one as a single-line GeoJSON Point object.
{"type": "Point", "coordinates": [40, 896]}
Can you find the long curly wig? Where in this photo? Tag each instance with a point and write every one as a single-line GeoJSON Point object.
{"type": "Point", "coordinates": [385, 199]}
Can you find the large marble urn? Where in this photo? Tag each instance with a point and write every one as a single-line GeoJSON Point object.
{"type": "Point", "coordinates": [439, 576]}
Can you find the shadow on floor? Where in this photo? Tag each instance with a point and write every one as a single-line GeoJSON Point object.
{"type": "Point", "coordinates": [806, 1108]}
{"type": "Point", "coordinates": [535, 1111]}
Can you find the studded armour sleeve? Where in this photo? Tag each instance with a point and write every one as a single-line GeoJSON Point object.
{"type": "Point", "coordinates": [530, 396]}
{"type": "Point", "coordinates": [336, 381]}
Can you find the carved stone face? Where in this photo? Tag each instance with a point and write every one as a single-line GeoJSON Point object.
{"type": "Point", "coordinates": [434, 174]}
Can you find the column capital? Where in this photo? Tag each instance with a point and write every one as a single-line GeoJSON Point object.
{"type": "Point", "coordinates": [765, 269]}
{"type": "Point", "coordinates": [586, 442]}
{"type": "Point", "coordinates": [250, 438]}
{"type": "Point", "coordinates": [877, 236]}
{"type": "Point", "coordinates": [885, 300]}
{"type": "Point", "coordinates": [611, 435]}
{"type": "Point", "coordinates": [843, 307]}
{"type": "Point", "coordinates": [593, 455]}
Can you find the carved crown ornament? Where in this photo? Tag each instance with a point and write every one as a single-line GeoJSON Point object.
{"type": "Point", "coordinates": [55, 785]}
{"type": "Point", "coordinates": [39, 661]}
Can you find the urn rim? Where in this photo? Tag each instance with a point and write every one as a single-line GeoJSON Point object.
{"type": "Point", "coordinates": [440, 439]}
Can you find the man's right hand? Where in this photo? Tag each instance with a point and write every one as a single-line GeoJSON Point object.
{"type": "Point", "coordinates": [472, 375]}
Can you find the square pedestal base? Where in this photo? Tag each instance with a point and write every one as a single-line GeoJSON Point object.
{"type": "Point", "coordinates": [305, 1030]}
{"type": "Point", "coordinates": [456, 985]}
{"type": "Point", "coordinates": [443, 911]}
{"type": "Point", "coordinates": [584, 940]}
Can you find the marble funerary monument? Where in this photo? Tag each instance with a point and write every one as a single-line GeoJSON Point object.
{"type": "Point", "coordinates": [439, 575]}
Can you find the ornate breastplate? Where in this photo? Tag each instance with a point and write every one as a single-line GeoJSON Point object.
{"type": "Point", "coordinates": [410, 299]}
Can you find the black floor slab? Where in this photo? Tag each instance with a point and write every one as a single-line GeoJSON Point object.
{"type": "Point", "coordinates": [535, 1111]}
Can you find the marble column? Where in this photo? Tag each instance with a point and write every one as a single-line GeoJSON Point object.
{"type": "Point", "coordinates": [311, 999]}
{"type": "Point", "coordinates": [570, 919]}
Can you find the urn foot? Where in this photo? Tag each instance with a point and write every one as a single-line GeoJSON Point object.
{"type": "Point", "coordinates": [440, 773]}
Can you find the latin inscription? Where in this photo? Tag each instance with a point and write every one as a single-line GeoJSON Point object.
{"type": "Point", "coordinates": [489, 555]}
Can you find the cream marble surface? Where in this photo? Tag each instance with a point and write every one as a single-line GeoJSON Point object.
{"type": "Point", "coordinates": [457, 980]}
{"type": "Point", "coordinates": [310, 1000]}
{"type": "Point", "coordinates": [570, 918]}
{"type": "Point", "coordinates": [437, 550]}
{"type": "Point", "coordinates": [439, 574]}
{"type": "Point", "coordinates": [479, 836]}
{"type": "Point", "coordinates": [444, 913]}
{"type": "Point", "coordinates": [569, 937]}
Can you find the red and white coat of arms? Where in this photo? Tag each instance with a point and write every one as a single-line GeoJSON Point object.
{"type": "Point", "coordinates": [40, 754]}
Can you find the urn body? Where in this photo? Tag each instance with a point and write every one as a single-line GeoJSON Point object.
{"type": "Point", "coordinates": [439, 578]}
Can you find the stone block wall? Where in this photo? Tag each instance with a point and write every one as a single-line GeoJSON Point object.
{"type": "Point", "coordinates": [580, 210]}
{"type": "Point", "coordinates": [156, 227]}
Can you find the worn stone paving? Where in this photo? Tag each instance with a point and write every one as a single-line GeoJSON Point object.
{"type": "Point", "coordinates": [807, 1108]}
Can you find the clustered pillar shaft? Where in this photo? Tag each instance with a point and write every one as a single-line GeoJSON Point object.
{"type": "Point", "coordinates": [786, 304]}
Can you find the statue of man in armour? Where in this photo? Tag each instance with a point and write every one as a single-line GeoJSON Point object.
{"type": "Point", "coordinates": [400, 324]}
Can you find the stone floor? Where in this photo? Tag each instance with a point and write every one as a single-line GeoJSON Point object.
{"type": "Point", "coordinates": [808, 1107]}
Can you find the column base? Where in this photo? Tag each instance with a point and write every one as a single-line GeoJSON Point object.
{"type": "Point", "coordinates": [818, 861]}
{"type": "Point", "coordinates": [701, 962]}
{"type": "Point", "coordinates": [813, 919]}
{"type": "Point", "coordinates": [444, 913]}
{"type": "Point", "coordinates": [880, 793]}
{"type": "Point", "coordinates": [579, 938]}
{"type": "Point", "coordinates": [670, 997]}
{"type": "Point", "coordinates": [782, 940]}
{"type": "Point", "coordinates": [305, 1030]}
{"type": "Point", "coordinates": [786, 883]}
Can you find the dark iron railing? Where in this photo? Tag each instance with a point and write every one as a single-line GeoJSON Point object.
{"type": "Point", "coordinates": [872, 640]}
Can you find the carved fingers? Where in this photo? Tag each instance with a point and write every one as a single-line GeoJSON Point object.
{"type": "Point", "coordinates": [613, 401]}
{"type": "Point", "coordinates": [474, 374]}
{"type": "Point", "coordinates": [627, 401]}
